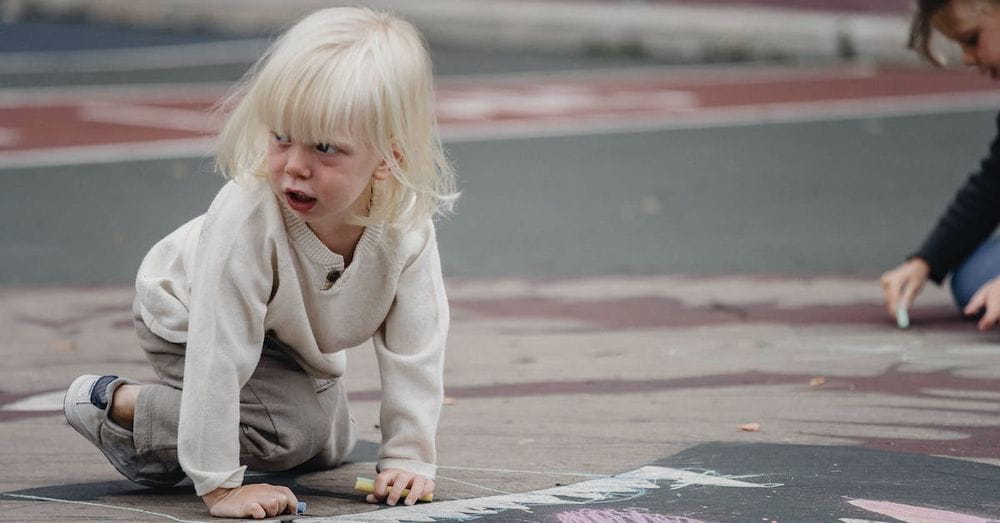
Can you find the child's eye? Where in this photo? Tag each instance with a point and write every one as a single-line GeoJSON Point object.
{"type": "Point", "coordinates": [281, 138]}
{"type": "Point", "coordinates": [326, 148]}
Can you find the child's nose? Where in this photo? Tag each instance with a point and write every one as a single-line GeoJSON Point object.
{"type": "Point", "coordinates": [297, 162]}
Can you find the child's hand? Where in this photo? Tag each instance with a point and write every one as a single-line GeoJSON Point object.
{"type": "Point", "coordinates": [256, 501]}
{"type": "Point", "coordinates": [902, 284]}
{"type": "Point", "coordinates": [389, 485]}
{"type": "Point", "coordinates": [988, 297]}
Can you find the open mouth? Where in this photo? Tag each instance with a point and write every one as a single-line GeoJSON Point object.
{"type": "Point", "coordinates": [299, 201]}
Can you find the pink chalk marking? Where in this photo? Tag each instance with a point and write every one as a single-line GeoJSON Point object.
{"type": "Point", "coordinates": [631, 515]}
{"type": "Point", "coordinates": [911, 514]}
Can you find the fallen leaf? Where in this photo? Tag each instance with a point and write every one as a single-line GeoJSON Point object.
{"type": "Point", "coordinates": [62, 345]}
{"type": "Point", "coordinates": [750, 427]}
{"type": "Point", "coordinates": [448, 400]}
{"type": "Point", "coordinates": [817, 381]}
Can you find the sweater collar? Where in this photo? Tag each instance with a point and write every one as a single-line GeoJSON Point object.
{"type": "Point", "coordinates": [309, 244]}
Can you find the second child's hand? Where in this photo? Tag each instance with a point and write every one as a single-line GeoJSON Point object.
{"type": "Point", "coordinates": [987, 301]}
{"type": "Point", "coordinates": [256, 501]}
{"type": "Point", "coordinates": [901, 285]}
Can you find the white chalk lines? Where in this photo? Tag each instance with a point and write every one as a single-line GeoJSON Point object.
{"type": "Point", "coordinates": [529, 472]}
{"type": "Point", "coordinates": [102, 505]}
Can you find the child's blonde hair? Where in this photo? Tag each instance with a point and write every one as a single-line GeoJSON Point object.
{"type": "Point", "coordinates": [346, 74]}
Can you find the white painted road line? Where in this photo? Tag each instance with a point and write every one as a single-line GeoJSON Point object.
{"type": "Point", "coordinates": [733, 116]}
{"type": "Point", "coordinates": [70, 95]}
{"type": "Point", "coordinates": [134, 58]}
{"type": "Point", "coordinates": [149, 116]}
{"type": "Point", "coordinates": [772, 114]}
{"type": "Point", "coordinates": [108, 153]}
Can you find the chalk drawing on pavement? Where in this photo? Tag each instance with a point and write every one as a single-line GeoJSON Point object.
{"type": "Point", "coordinates": [704, 483]}
{"type": "Point", "coordinates": [613, 489]}
{"type": "Point", "coordinates": [630, 515]}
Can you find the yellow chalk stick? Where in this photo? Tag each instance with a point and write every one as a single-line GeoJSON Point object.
{"type": "Point", "coordinates": [368, 487]}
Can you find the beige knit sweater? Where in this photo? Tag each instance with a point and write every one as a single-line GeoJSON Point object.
{"type": "Point", "coordinates": [248, 266]}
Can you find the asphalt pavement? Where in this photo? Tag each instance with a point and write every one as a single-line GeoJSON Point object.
{"type": "Point", "coordinates": [670, 323]}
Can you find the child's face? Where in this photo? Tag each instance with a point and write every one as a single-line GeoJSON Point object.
{"type": "Point", "coordinates": [975, 26]}
{"type": "Point", "coordinates": [323, 184]}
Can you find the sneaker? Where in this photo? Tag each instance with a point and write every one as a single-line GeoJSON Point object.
{"type": "Point", "coordinates": [86, 408]}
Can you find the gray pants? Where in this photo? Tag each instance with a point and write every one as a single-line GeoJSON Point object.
{"type": "Point", "coordinates": [287, 418]}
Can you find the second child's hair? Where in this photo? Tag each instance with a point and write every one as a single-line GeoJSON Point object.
{"type": "Point", "coordinates": [354, 75]}
{"type": "Point", "coordinates": [921, 29]}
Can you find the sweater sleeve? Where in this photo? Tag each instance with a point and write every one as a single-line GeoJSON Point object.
{"type": "Point", "coordinates": [409, 348]}
{"type": "Point", "coordinates": [969, 220]}
{"type": "Point", "coordinates": [229, 292]}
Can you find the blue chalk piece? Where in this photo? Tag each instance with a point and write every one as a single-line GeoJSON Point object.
{"type": "Point", "coordinates": [300, 508]}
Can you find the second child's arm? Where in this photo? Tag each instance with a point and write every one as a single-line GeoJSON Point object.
{"type": "Point", "coordinates": [969, 219]}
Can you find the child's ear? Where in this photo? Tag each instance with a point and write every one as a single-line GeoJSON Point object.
{"type": "Point", "coordinates": [383, 172]}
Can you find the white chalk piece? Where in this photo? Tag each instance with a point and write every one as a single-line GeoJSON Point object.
{"type": "Point", "coordinates": [300, 508]}
{"type": "Point", "coordinates": [902, 317]}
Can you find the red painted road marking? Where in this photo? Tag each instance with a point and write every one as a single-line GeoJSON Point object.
{"type": "Point", "coordinates": [77, 119]}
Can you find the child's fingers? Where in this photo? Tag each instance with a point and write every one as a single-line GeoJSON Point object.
{"type": "Point", "coordinates": [417, 487]}
{"type": "Point", "coordinates": [257, 511]}
{"type": "Point", "coordinates": [975, 303]}
{"type": "Point", "coordinates": [990, 317]}
{"type": "Point", "coordinates": [890, 289]}
{"type": "Point", "coordinates": [908, 293]}
{"type": "Point", "coordinates": [372, 498]}
{"type": "Point", "coordinates": [291, 502]}
{"type": "Point", "coordinates": [986, 322]}
{"type": "Point", "coordinates": [382, 481]}
{"type": "Point", "coordinates": [399, 483]}
{"type": "Point", "coordinates": [276, 504]}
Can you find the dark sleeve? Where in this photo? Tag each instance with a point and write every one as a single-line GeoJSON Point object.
{"type": "Point", "coordinates": [969, 220]}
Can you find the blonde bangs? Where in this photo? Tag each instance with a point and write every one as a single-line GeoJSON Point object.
{"type": "Point", "coordinates": [316, 100]}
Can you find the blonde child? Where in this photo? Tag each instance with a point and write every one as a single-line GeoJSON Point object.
{"type": "Point", "coordinates": [959, 243]}
{"type": "Point", "coordinates": [321, 240]}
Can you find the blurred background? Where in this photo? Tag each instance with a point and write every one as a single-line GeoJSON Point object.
{"type": "Point", "coordinates": [590, 136]}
